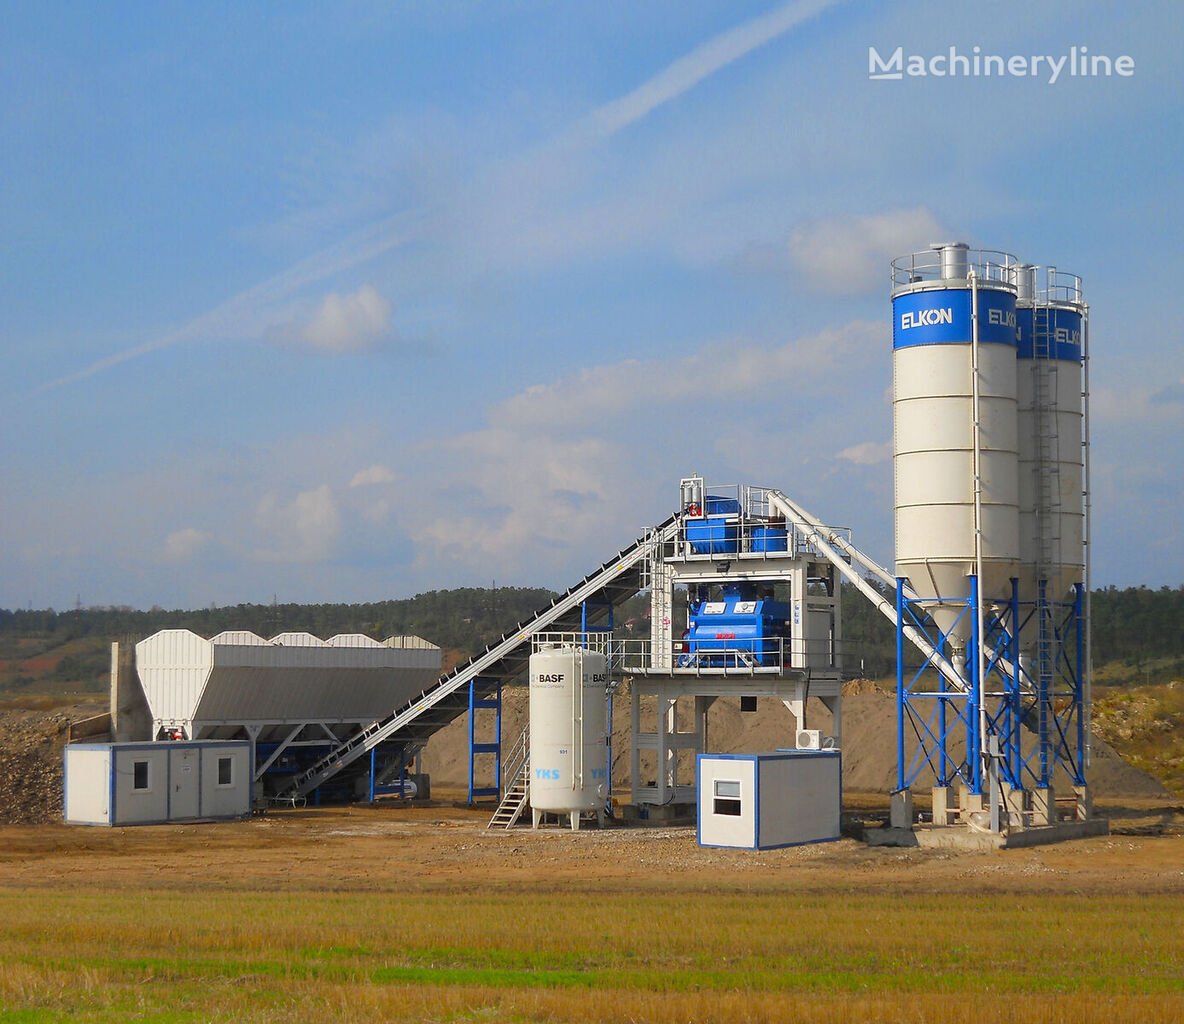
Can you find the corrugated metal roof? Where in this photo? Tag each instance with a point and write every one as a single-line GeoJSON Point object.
{"type": "Point", "coordinates": [238, 636]}
{"type": "Point", "coordinates": [406, 642]}
{"type": "Point", "coordinates": [352, 640]}
{"type": "Point", "coordinates": [189, 681]}
{"type": "Point", "coordinates": [297, 640]}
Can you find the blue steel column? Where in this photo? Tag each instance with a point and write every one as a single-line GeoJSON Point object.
{"type": "Point", "coordinates": [975, 697]}
{"type": "Point", "coordinates": [1079, 688]}
{"type": "Point", "coordinates": [1045, 673]}
{"type": "Point", "coordinates": [900, 683]}
{"type": "Point", "coordinates": [1014, 703]}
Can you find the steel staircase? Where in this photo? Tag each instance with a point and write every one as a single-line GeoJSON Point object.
{"type": "Point", "coordinates": [505, 659]}
{"type": "Point", "coordinates": [517, 795]}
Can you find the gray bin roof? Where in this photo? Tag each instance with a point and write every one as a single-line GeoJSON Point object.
{"type": "Point", "coordinates": [238, 677]}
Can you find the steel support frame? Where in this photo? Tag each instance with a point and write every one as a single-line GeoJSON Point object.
{"type": "Point", "coordinates": [477, 702]}
{"type": "Point", "coordinates": [1055, 687]}
{"type": "Point", "coordinates": [1007, 701]}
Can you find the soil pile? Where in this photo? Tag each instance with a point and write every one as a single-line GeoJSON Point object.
{"type": "Point", "coordinates": [868, 729]}
{"type": "Point", "coordinates": [31, 742]}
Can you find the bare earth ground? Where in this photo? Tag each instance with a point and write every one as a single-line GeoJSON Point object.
{"type": "Point", "coordinates": [438, 846]}
{"type": "Point", "coordinates": [390, 912]}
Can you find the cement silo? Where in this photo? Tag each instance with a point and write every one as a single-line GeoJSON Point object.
{"type": "Point", "coordinates": [955, 444]}
{"type": "Point", "coordinates": [568, 727]}
{"type": "Point", "coordinates": [1050, 316]}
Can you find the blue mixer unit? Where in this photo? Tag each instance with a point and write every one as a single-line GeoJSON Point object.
{"type": "Point", "coordinates": [740, 628]}
{"type": "Point", "coordinates": [714, 530]}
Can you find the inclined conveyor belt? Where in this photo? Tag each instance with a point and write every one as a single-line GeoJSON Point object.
{"type": "Point", "coordinates": [618, 578]}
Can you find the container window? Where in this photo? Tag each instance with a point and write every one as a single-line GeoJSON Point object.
{"type": "Point", "coordinates": [226, 771]}
{"type": "Point", "coordinates": [727, 797]}
{"type": "Point", "coordinates": [139, 775]}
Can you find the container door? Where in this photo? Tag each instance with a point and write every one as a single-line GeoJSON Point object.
{"type": "Point", "coordinates": [184, 782]}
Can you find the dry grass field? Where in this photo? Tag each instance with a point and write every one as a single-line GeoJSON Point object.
{"type": "Point", "coordinates": [385, 913]}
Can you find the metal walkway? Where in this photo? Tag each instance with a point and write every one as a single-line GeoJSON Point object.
{"type": "Point", "coordinates": [412, 724]}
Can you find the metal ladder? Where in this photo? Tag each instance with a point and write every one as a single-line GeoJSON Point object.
{"type": "Point", "coordinates": [517, 796]}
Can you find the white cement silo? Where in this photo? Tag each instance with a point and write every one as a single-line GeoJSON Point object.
{"type": "Point", "coordinates": [568, 723]}
{"type": "Point", "coordinates": [955, 443]}
{"type": "Point", "coordinates": [1050, 316]}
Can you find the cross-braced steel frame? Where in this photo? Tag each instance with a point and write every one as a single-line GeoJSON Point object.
{"type": "Point", "coordinates": [1025, 713]}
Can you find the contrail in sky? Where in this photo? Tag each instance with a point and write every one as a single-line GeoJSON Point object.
{"type": "Point", "coordinates": [249, 312]}
{"type": "Point", "coordinates": [702, 62]}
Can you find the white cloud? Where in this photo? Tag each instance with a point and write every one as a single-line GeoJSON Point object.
{"type": "Point", "coordinates": [851, 254]}
{"type": "Point", "coordinates": [182, 545]}
{"type": "Point", "coordinates": [304, 529]}
{"type": "Point", "coordinates": [348, 323]}
{"type": "Point", "coordinates": [563, 471]}
{"type": "Point", "coordinates": [376, 474]}
{"type": "Point", "coordinates": [868, 453]}
{"type": "Point", "coordinates": [724, 369]}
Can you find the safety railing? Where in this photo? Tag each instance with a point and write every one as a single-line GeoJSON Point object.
{"type": "Point", "coordinates": [930, 266]}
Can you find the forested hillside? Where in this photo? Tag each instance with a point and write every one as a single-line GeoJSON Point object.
{"type": "Point", "coordinates": [1138, 633]}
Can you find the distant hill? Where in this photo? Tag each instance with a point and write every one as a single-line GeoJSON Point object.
{"type": "Point", "coordinates": [1138, 633]}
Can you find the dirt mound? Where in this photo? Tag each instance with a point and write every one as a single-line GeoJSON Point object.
{"type": "Point", "coordinates": [869, 742]}
{"type": "Point", "coordinates": [31, 742]}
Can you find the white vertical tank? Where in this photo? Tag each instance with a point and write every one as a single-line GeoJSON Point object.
{"type": "Point", "coordinates": [1049, 316]}
{"type": "Point", "coordinates": [933, 305]}
{"type": "Point", "coordinates": [568, 724]}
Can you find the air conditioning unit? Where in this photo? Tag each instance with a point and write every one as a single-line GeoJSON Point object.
{"type": "Point", "coordinates": [809, 739]}
{"type": "Point", "coordinates": [813, 739]}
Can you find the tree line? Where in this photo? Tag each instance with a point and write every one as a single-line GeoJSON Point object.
{"type": "Point", "coordinates": [1131, 626]}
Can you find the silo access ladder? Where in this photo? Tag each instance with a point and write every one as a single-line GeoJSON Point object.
{"type": "Point", "coordinates": [517, 796]}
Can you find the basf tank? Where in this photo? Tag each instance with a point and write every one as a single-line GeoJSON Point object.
{"type": "Point", "coordinates": [1050, 320]}
{"type": "Point", "coordinates": [568, 723]}
{"type": "Point", "coordinates": [937, 296]}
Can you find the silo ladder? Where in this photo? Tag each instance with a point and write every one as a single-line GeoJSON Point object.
{"type": "Point", "coordinates": [517, 797]}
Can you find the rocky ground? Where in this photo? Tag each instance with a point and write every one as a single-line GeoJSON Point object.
{"type": "Point", "coordinates": [31, 742]}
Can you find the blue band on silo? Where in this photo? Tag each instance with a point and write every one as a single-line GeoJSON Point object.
{"type": "Point", "coordinates": [1064, 328]}
{"type": "Point", "coordinates": [942, 316]}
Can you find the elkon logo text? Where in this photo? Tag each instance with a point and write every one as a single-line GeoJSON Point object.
{"type": "Point", "coordinates": [1078, 62]}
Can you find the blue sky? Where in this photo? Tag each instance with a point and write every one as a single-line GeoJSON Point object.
{"type": "Point", "coordinates": [346, 302]}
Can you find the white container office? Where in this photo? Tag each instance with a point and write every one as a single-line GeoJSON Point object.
{"type": "Point", "coordinates": [765, 801]}
{"type": "Point", "coordinates": [153, 783]}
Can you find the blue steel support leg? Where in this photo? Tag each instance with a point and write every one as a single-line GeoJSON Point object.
{"type": "Point", "coordinates": [1014, 705]}
{"type": "Point", "coordinates": [373, 756]}
{"type": "Point", "coordinates": [900, 697]}
{"type": "Point", "coordinates": [943, 754]}
{"type": "Point", "coordinates": [975, 697]}
{"type": "Point", "coordinates": [1079, 680]}
{"type": "Point", "coordinates": [497, 761]}
{"type": "Point", "coordinates": [472, 732]}
{"type": "Point", "coordinates": [1045, 672]}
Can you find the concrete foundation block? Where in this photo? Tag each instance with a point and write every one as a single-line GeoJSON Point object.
{"type": "Point", "coordinates": [1044, 807]}
{"type": "Point", "coordinates": [943, 813]}
{"type": "Point", "coordinates": [971, 803]}
{"type": "Point", "coordinates": [900, 809]}
{"type": "Point", "coordinates": [1085, 803]}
